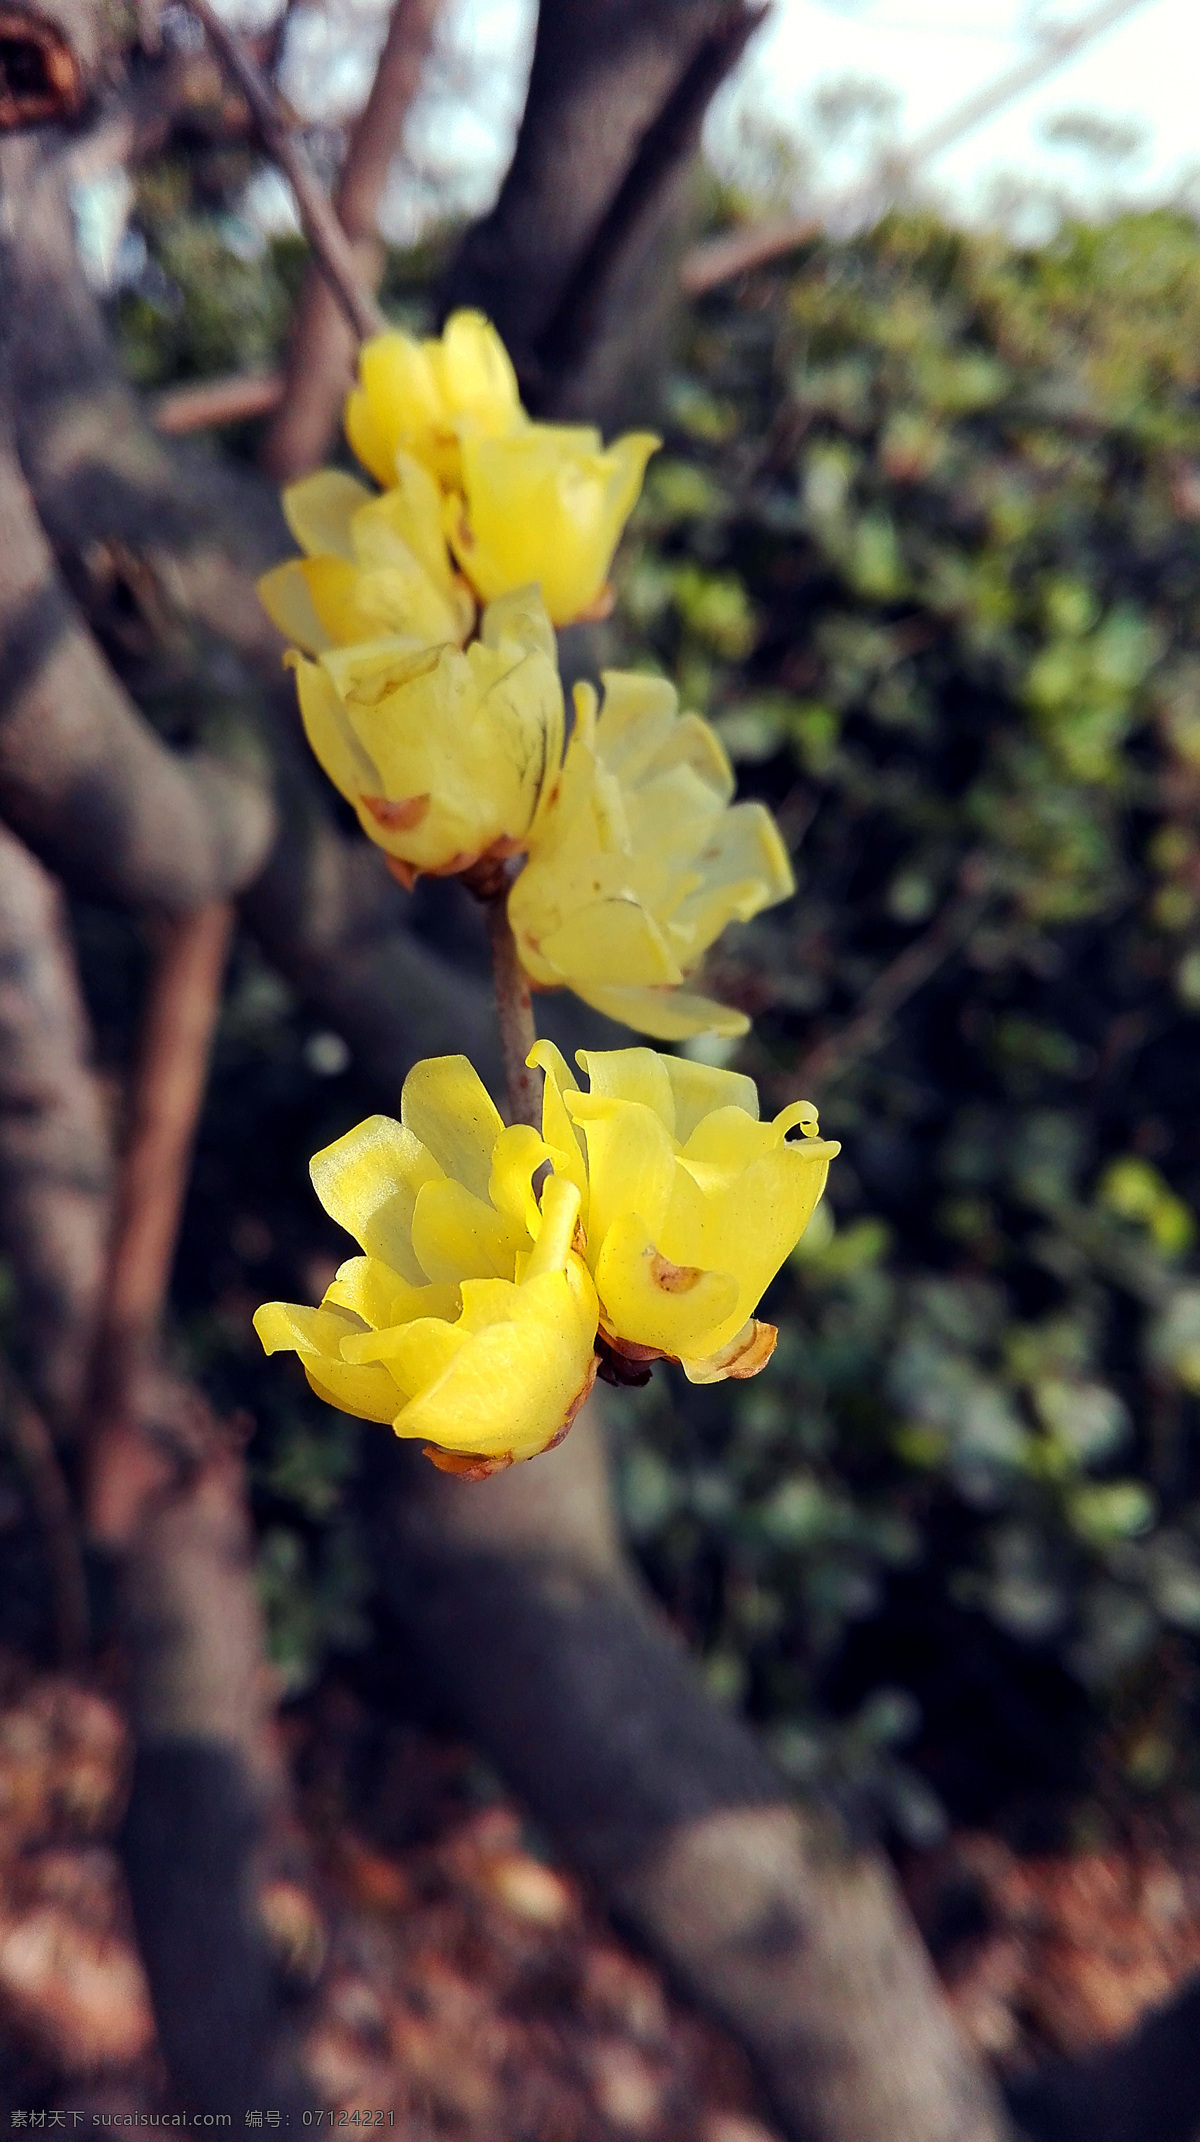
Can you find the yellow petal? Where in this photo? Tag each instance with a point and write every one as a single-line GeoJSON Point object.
{"type": "Point", "coordinates": [316, 1335]}
{"type": "Point", "coordinates": [700, 1088]}
{"type": "Point", "coordinates": [726, 1141]}
{"type": "Point", "coordinates": [641, 733]}
{"type": "Point", "coordinates": [668, 1014]}
{"type": "Point", "coordinates": [332, 739]}
{"type": "Point", "coordinates": [367, 438]}
{"type": "Point", "coordinates": [369, 1393]}
{"type": "Point", "coordinates": [396, 401]}
{"type": "Point", "coordinates": [319, 511]}
{"type": "Point", "coordinates": [457, 1236]}
{"type": "Point", "coordinates": [446, 1105]}
{"type": "Point", "coordinates": [418, 1354]}
{"type": "Point", "coordinates": [631, 1164]}
{"type": "Point", "coordinates": [382, 1298]}
{"type": "Point", "coordinates": [542, 504]}
{"type": "Point", "coordinates": [474, 372]}
{"type": "Point", "coordinates": [558, 1130]}
{"type": "Point", "coordinates": [408, 514]}
{"type": "Point", "coordinates": [525, 1366]}
{"type": "Point", "coordinates": [638, 714]}
{"type": "Point", "coordinates": [647, 1298]}
{"type": "Point", "coordinates": [355, 603]}
{"type": "Point", "coordinates": [745, 868]}
{"type": "Point", "coordinates": [608, 941]}
{"type": "Point", "coordinates": [556, 1230]}
{"type": "Point", "coordinates": [368, 1182]}
{"type": "Point", "coordinates": [640, 1075]}
{"type": "Point", "coordinates": [521, 618]}
{"type": "Point", "coordinates": [367, 1288]}
{"type": "Point", "coordinates": [518, 1155]}
{"type": "Point", "coordinates": [285, 596]}
{"type": "Point", "coordinates": [749, 1227]}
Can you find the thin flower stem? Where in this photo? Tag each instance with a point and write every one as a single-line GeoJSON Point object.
{"type": "Point", "coordinates": [515, 1012]}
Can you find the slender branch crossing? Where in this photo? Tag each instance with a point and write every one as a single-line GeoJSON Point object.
{"type": "Point", "coordinates": [331, 247]}
{"type": "Point", "coordinates": [169, 1082]}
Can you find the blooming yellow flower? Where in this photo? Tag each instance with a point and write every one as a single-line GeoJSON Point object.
{"type": "Point", "coordinates": [373, 565]}
{"type": "Point", "coordinates": [546, 503]}
{"type": "Point", "coordinates": [640, 862]}
{"type": "Point", "coordinates": [689, 1204]}
{"type": "Point", "coordinates": [469, 1320]}
{"type": "Point", "coordinates": [417, 396]}
{"type": "Point", "coordinates": [447, 754]}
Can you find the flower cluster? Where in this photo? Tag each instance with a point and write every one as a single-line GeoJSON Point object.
{"type": "Point", "coordinates": [442, 723]}
{"type": "Point", "coordinates": [500, 1268]}
{"type": "Point", "coordinates": [503, 1268]}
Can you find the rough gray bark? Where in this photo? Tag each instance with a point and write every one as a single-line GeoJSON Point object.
{"type": "Point", "coordinates": [82, 779]}
{"type": "Point", "coordinates": [55, 1159]}
{"type": "Point", "coordinates": [200, 1835]}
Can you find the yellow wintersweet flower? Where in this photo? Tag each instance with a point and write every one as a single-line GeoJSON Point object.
{"type": "Point", "coordinates": [469, 1320]}
{"type": "Point", "coordinates": [373, 565]}
{"type": "Point", "coordinates": [546, 503]}
{"type": "Point", "coordinates": [689, 1204]}
{"type": "Point", "coordinates": [447, 754]}
{"type": "Point", "coordinates": [415, 396]}
{"type": "Point", "coordinates": [640, 862]}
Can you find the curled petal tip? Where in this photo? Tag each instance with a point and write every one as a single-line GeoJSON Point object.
{"type": "Point", "coordinates": [468, 1464]}
{"type": "Point", "coordinates": [746, 1355]}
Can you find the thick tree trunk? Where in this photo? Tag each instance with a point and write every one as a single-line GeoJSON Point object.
{"type": "Point", "coordinates": [82, 778]}
{"type": "Point", "coordinates": [55, 1157]}
{"type": "Point", "coordinates": [574, 262]}
{"type": "Point", "coordinates": [533, 1638]}
{"type": "Point", "coordinates": [201, 1833]}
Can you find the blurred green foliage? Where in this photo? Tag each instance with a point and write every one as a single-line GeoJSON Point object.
{"type": "Point", "coordinates": [925, 543]}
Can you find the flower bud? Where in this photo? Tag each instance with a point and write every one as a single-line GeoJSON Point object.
{"type": "Point", "coordinates": [413, 397]}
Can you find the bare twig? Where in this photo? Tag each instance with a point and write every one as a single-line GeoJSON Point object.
{"type": "Point", "coordinates": [718, 260]}
{"type": "Point", "coordinates": [331, 248]}
{"type": "Point", "coordinates": [168, 1087]}
{"type": "Point", "coordinates": [224, 400]}
{"type": "Point", "coordinates": [167, 1090]}
{"type": "Point", "coordinates": [321, 356]}
{"type": "Point", "coordinates": [907, 973]}
{"type": "Point", "coordinates": [514, 1012]}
